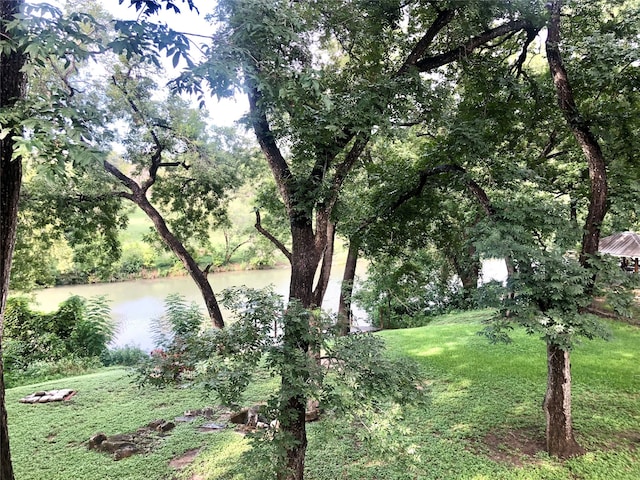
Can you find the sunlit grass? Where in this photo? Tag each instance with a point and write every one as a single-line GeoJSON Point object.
{"type": "Point", "coordinates": [474, 390]}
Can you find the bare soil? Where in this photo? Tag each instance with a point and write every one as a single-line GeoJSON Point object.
{"type": "Point", "coordinates": [514, 447]}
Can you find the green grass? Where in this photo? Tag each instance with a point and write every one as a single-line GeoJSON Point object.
{"type": "Point", "coordinates": [475, 391]}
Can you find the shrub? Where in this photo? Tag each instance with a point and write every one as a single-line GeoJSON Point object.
{"type": "Point", "coordinates": [41, 370]}
{"type": "Point", "coordinates": [127, 356]}
{"type": "Point", "coordinates": [175, 335]}
{"type": "Point", "coordinates": [81, 328]}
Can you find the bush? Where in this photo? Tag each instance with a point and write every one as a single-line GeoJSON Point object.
{"type": "Point", "coordinates": [79, 328]}
{"type": "Point", "coordinates": [41, 370]}
{"type": "Point", "coordinates": [175, 335]}
{"type": "Point", "coordinates": [127, 356]}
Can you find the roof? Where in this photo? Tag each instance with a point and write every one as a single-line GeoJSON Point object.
{"type": "Point", "coordinates": [624, 244]}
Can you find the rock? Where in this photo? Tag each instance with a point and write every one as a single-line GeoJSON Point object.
{"type": "Point", "coordinates": [207, 412]}
{"type": "Point", "coordinates": [313, 411]}
{"type": "Point", "coordinates": [312, 416]}
{"type": "Point", "coordinates": [125, 452]}
{"type": "Point", "coordinates": [112, 446]}
{"type": "Point", "coordinates": [50, 396]}
{"type": "Point", "coordinates": [166, 426]}
{"type": "Point", "coordinates": [185, 419]}
{"type": "Point", "coordinates": [211, 427]}
{"type": "Point", "coordinates": [96, 440]}
{"type": "Point", "coordinates": [155, 423]}
{"type": "Point", "coordinates": [241, 417]}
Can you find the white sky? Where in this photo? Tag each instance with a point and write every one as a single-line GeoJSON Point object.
{"type": "Point", "coordinates": [224, 112]}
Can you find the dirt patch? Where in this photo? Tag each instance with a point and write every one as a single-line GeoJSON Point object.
{"type": "Point", "coordinates": [514, 447]}
{"type": "Point", "coordinates": [628, 439]}
{"type": "Point", "coordinates": [185, 459]}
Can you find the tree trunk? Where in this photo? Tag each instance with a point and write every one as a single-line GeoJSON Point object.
{"type": "Point", "coordinates": [325, 270]}
{"type": "Point", "coordinates": [346, 291]}
{"type": "Point", "coordinates": [12, 88]}
{"type": "Point", "coordinates": [179, 250]}
{"type": "Point", "coordinates": [10, 182]}
{"type": "Point", "coordinates": [305, 256]}
{"type": "Point", "coordinates": [557, 405]}
{"type": "Point", "coordinates": [581, 131]}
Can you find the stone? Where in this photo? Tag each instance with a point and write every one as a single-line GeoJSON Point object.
{"type": "Point", "coordinates": [185, 419]}
{"type": "Point", "coordinates": [112, 446]}
{"type": "Point", "coordinates": [211, 427]}
{"type": "Point", "coordinates": [125, 452]}
{"type": "Point", "coordinates": [155, 423]}
{"type": "Point", "coordinates": [166, 426]}
{"type": "Point", "coordinates": [96, 440]}
{"type": "Point", "coordinates": [241, 417]}
{"type": "Point", "coordinates": [48, 396]}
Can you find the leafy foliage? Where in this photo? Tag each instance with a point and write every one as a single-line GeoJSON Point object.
{"type": "Point", "coordinates": [345, 374]}
{"type": "Point", "coordinates": [80, 327]}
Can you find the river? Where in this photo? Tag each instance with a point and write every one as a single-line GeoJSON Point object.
{"type": "Point", "coordinates": [134, 304]}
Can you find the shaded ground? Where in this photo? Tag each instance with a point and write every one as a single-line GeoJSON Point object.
{"type": "Point", "coordinates": [514, 447]}
{"type": "Point", "coordinates": [521, 447]}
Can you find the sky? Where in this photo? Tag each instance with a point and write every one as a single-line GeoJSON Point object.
{"type": "Point", "coordinates": [223, 113]}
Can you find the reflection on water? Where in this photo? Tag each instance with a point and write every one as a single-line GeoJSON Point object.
{"type": "Point", "coordinates": [135, 303]}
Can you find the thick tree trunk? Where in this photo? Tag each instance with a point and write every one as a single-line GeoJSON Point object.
{"type": "Point", "coordinates": [557, 405]}
{"type": "Point", "coordinates": [176, 246]}
{"type": "Point", "coordinates": [346, 291]}
{"type": "Point", "coordinates": [581, 131]}
{"type": "Point", "coordinates": [12, 88]}
{"type": "Point", "coordinates": [469, 278]}
{"type": "Point", "coordinates": [560, 441]}
{"type": "Point", "coordinates": [468, 271]}
{"type": "Point", "coordinates": [305, 256]}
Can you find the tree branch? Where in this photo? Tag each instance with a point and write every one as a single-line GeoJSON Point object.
{"type": "Point", "coordinates": [267, 142]}
{"type": "Point", "coordinates": [429, 63]}
{"type": "Point", "coordinates": [270, 237]}
{"type": "Point", "coordinates": [442, 20]}
{"type": "Point", "coordinates": [121, 177]}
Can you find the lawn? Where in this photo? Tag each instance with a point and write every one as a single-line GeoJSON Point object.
{"type": "Point", "coordinates": [482, 418]}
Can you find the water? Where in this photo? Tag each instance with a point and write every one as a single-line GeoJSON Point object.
{"type": "Point", "coordinates": [134, 304]}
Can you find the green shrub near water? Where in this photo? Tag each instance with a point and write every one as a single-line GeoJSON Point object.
{"type": "Point", "coordinates": [45, 345]}
{"type": "Point", "coordinates": [126, 356]}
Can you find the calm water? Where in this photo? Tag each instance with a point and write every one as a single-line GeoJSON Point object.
{"type": "Point", "coordinates": [135, 303]}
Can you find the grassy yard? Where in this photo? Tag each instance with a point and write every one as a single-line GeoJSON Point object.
{"type": "Point", "coordinates": [482, 420]}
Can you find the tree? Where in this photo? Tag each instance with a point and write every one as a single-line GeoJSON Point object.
{"type": "Point", "coordinates": [314, 114]}
{"type": "Point", "coordinates": [549, 190]}
{"type": "Point", "coordinates": [557, 401]}
{"type": "Point", "coordinates": [171, 137]}
{"type": "Point", "coordinates": [12, 89]}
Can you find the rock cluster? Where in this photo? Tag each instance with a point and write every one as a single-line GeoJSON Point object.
{"type": "Point", "coordinates": [126, 444]}
{"type": "Point", "coordinates": [48, 396]}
